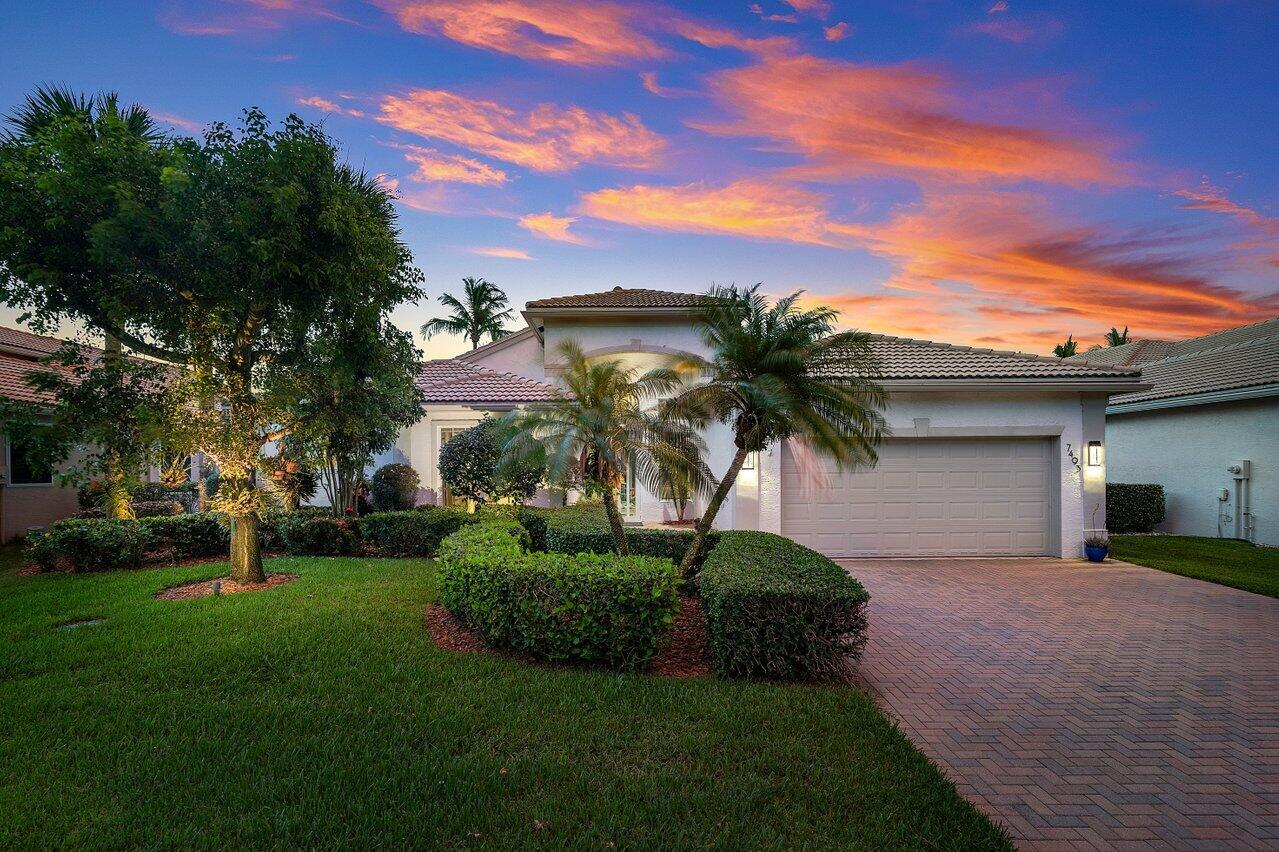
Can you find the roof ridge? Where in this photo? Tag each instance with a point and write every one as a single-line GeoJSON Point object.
{"type": "Point", "coordinates": [1008, 353]}
{"type": "Point", "coordinates": [506, 338]}
{"type": "Point", "coordinates": [1225, 347]}
{"type": "Point", "coordinates": [1232, 328]}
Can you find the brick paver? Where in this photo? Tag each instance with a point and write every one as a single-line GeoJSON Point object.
{"type": "Point", "coordinates": [1086, 706]}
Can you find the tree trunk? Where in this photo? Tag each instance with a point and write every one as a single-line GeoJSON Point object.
{"type": "Point", "coordinates": [117, 496]}
{"type": "Point", "coordinates": [708, 517]}
{"type": "Point", "coordinates": [246, 550]}
{"type": "Point", "coordinates": [615, 521]}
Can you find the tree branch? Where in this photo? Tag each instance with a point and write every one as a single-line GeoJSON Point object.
{"type": "Point", "coordinates": [137, 344]}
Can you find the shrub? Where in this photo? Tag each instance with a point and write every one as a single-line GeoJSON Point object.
{"type": "Point", "coordinates": [533, 518]}
{"type": "Point", "coordinates": [155, 508]}
{"type": "Point", "coordinates": [184, 494]}
{"type": "Point", "coordinates": [471, 464]}
{"type": "Point", "coordinates": [305, 533]}
{"type": "Point", "coordinates": [584, 608]}
{"type": "Point", "coordinates": [584, 529]}
{"type": "Point", "coordinates": [78, 544]}
{"type": "Point", "coordinates": [394, 487]}
{"type": "Point", "coordinates": [776, 609]}
{"type": "Point", "coordinates": [1133, 507]}
{"type": "Point", "coordinates": [413, 533]}
{"type": "Point", "coordinates": [187, 536]}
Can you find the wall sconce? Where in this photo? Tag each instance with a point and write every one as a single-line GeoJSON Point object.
{"type": "Point", "coordinates": [751, 462]}
{"type": "Point", "coordinates": [1094, 453]}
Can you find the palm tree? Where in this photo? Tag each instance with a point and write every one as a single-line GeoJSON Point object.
{"type": "Point", "coordinates": [481, 311]}
{"type": "Point", "coordinates": [1115, 337]}
{"type": "Point", "coordinates": [603, 424]}
{"type": "Point", "coordinates": [780, 372]}
{"type": "Point", "coordinates": [1065, 350]}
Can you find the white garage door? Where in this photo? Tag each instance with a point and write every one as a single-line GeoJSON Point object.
{"type": "Point", "coordinates": [924, 498]}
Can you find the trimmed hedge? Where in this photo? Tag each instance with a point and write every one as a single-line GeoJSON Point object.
{"type": "Point", "coordinates": [588, 608]}
{"type": "Point", "coordinates": [187, 536]}
{"type": "Point", "coordinates": [412, 533]}
{"type": "Point", "coordinates": [307, 534]}
{"type": "Point", "coordinates": [155, 508]}
{"type": "Point", "coordinates": [88, 544]}
{"type": "Point", "coordinates": [584, 529]}
{"type": "Point", "coordinates": [1134, 507]}
{"type": "Point", "coordinates": [776, 609]}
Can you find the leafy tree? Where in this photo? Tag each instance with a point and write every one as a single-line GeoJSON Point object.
{"type": "Point", "coordinates": [677, 486]}
{"type": "Point", "coordinates": [780, 372]}
{"type": "Point", "coordinates": [1065, 350]}
{"type": "Point", "coordinates": [604, 423]}
{"type": "Point", "coordinates": [1115, 337]}
{"type": "Point", "coordinates": [394, 487]}
{"type": "Point", "coordinates": [481, 311]}
{"type": "Point", "coordinates": [470, 464]}
{"type": "Point", "coordinates": [113, 146]}
{"type": "Point", "coordinates": [104, 417]}
{"type": "Point", "coordinates": [245, 257]}
{"type": "Point", "coordinates": [289, 474]}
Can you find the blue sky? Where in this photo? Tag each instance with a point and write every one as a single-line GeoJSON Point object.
{"type": "Point", "coordinates": [997, 173]}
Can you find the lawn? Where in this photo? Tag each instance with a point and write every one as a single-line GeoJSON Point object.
{"type": "Point", "coordinates": [320, 713]}
{"type": "Point", "coordinates": [1225, 561]}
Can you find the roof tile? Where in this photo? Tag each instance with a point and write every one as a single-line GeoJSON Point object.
{"type": "Point", "coordinates": [453, 381]}
{"type": "Point", "coordinates": [909, 358]}
{"type": "Point", "coordinates": [620, 297]}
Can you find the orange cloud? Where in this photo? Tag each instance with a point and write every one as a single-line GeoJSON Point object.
{"type": "Point", "coordinates": [757, 209]}
{"type": "Point", "coordinates": [1213, 199]}
{"type": "Point", "coordinates": [720, 37]}
{"type": "Point", "coordinates": [839, 32]}
{"type": "Point", "coordinates": [850, 120]}
{"type": "Point", "coordinates": [546, 139]}
{"type": "Point", "coordinates": [434, 166]}
{"type": "Point", "coordinates": [552, 227]}
{"type": "Point", "coordinates": [1008, 254]}
{"type": "Point", "coordinates": [1017, 31]}
{"type": "Point", "coordinates": [500, 251]}
{"type": "Point", "coordinates": [819, 8]}
{"type": "Point", "coordinates": [190, 125]}
{"type": "Point", "coordinates": [577, 32]}
{"type": "Point", "coordinates": [432, 199]}
{"type": "Point", "coordinates": [649, 79]}
{"type": "Point", "coordinates": [326, 105]}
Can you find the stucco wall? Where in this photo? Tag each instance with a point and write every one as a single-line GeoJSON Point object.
{"type": "Point", "coordinates": [522, 357]}
{"type": "Point", "coordinates": [1187, 450]}
{"type": "Point", "coordinates": [26, 506]}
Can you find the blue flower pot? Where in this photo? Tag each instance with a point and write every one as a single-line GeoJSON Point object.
{"type": "Point", "coordinates": [1095, 553]}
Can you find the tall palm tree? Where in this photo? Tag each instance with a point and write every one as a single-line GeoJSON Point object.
{"type": "Point", "coordinates": [778, 372]}
{"type": "Point", "coordinates": [1115, 337]}
{"type": "Point", "coordinates": [605, 422]}
{"type": "Point", "coordinates": [1065, 350]}
{"type": "Point", "coordinates": [481, 311]}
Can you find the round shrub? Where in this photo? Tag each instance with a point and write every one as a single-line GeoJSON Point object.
{"type": "Point", "coordinates": [394, 488]}
{"type": "Point", "coordinates": [76, 544]}
{"type": "Point", "coordinates": [471, 465]}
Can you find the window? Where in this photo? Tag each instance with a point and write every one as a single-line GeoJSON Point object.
{"type": "Point", "coordinates": [626, 499]}
{"type": "Point", "coordinates": [22, 471]}
{"type": "Point", "coordinates": [447, 497]}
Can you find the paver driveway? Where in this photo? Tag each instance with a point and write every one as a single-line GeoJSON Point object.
{"type": "Point", "coordinates": [1085, 705]}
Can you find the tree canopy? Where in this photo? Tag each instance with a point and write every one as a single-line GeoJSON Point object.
{"type": "Point", "coordinates": [482, 311]}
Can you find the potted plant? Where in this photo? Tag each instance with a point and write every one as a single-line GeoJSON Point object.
{"type": "Point", "coordinates": [1096, 546]}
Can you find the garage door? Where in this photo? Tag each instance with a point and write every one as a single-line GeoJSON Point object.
{"type": "Point", "coordinates": [925, 498]}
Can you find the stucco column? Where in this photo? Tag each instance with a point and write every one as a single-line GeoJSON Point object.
{"type": "Point", "coordinates": [1093, 477]}
{"type": "Point", "coordinates": [770, 489]}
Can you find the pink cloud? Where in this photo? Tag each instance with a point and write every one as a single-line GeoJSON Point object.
{"type": "Point", "coordinates": [190, 125]}
{"type": "Point", "coordinates": [434, 166]}
{"type": "Point", "coordinates": [547, 138]}
{"type": "Point", "coordinates": [235, 17]}
{"type": "Point", "coordinates": [839, 32]}
{"type": "Point", "coordinates": [500, 251]}
{"type": "Point", "coordinates": [551, 227]}
{"type": "Point", "coordinates": [576, 32]}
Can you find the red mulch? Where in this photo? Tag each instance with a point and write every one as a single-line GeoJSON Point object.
{"type": "Point", "coordinates": [204, 588]}
{"type": "Point", "coordinates": [682, 653]}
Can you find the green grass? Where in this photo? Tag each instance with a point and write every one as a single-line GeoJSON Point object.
{"type": "Point", "coordinates": [1224, 561]}
{"type": "Point", "coordinates": [320, 713]}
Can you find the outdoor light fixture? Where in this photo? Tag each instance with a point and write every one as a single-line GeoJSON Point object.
{"type": "Point", "coordinates": [1094, 453]}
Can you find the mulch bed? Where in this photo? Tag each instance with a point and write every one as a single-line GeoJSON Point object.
{"type": "Point", "coordinates": [204, 588]}
{"type": "Point", "coordinates": [682, 653]}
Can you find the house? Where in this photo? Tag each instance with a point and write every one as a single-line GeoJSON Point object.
{"type": "Point", "coordinates": [29, 496]}
{"type": "Point", "coordinates": [1207, 429]}
{"type": "Point", "coordinates": [989, 453]}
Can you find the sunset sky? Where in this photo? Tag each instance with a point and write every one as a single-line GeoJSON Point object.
{"type": "Point", "coordinates": [994, 173]}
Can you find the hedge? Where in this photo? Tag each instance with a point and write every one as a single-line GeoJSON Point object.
{"type": "Point", "coordinates": [187, 536]}
{"type": "Point", "coordinates": [88, 544]}
{"type": "Point", "coordinates": [591, 608]}
{"type": "Point", "coordinates": [584, 529]}
{"type": "Point", "coordinates": [308, 534]}
{"type": "Point", "coordinates": [776, 609]}
{"type": "Point", "coordinates": [412, 533]}
{"type": "Point", "coordinates": [1133, 508]}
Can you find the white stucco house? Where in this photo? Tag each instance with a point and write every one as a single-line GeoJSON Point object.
{"type": "Point", "coordinates": [1207, 429]}
{"type": "Point", "coordinates": [989, 453]}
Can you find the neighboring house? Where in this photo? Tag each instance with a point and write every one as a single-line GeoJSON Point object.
{"type": "Point", "coordinates": [988, 454]}
{"type": "Point", "coordinates": [1213, 407]}
{"type": "Point", "coordinates": [29, 497]}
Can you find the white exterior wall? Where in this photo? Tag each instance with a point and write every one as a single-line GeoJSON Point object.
{"type": "Point", "coordinates": [1065, 418]}
{"type": "Point", "coordinates": [522, 356]}
{"type": "Point", "coordinates": [1187, 450]}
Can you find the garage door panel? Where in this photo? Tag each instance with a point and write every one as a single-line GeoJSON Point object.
{"type": "Point", "coordinates": [927, 497]}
